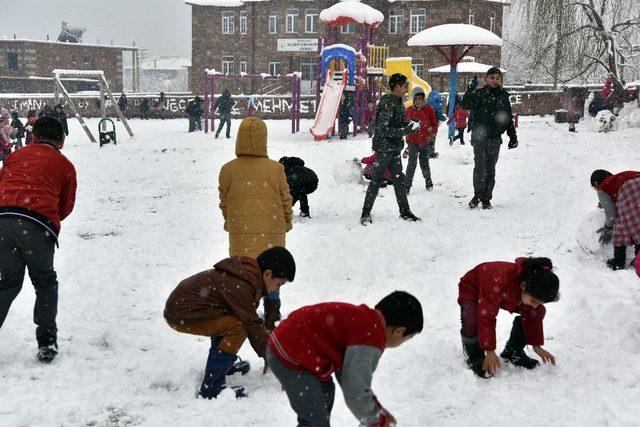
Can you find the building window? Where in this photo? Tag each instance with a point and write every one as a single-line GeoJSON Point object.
{"type": "Point", "coordinates": [73, 59]}
{"type": "Point", "coordinates": [308, 68]}
{"type": "Point", "coordinates": [243, 67]}
{"type": "Point", "coordinates": [418, 20]}
{"type": "Point", "coordinates": [396, 21]}
{"type": "Point", "coordinates": [311, 21]}
{"type": "Point", "coordinates": [292, 21]}
{"type": "Point", "coordinates": [243, 22]}
{"type": "Point", "coordinates": [228, 22]}
{"type": "Point", "coordinates": [492, 22]}
{"type": "Point", "coordinates": [418, 67]}
{"type": "Point", "coordinates": [274, 67]}
{"type": "Point", "coordinates": [273, 23]}
{"type": "Point", "coordinates": [472, 17]}
{"type": "Point", "coordinates": [227, 64]}
{"type": "Point", "coordinates": [348, 28]}
{"type": "Point", "coordinates": [12, 61]}
{"type": "Point", "coordinates": [87, 60]}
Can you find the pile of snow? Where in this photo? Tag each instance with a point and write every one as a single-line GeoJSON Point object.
{"type": "Point", "coordinates": [348, 11]}
{"type": "Point", "coordinates": [605, 121]}
{"type": "Point", "coordinates": [629, 116]}
{"type": "Point", "coordinates": [455, 34]}
{"type": "Point", "coordinates": [466, 65]}
{"type": "Point", "coordinates": [349, 172]}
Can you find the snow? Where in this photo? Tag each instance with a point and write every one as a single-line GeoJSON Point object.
{"type": "Point", "coordinates": [147, 217]}
{"type": "Point", "coordinates": [455, 34]}
{"type": "Point", "coordinates": [79, 73]}
{"type": "Point", "coordinates": [354, 10]}
{"type": "Point", "coordinates": [223, 3]}
{"type": "Point", "coordinates": [166, 63]}
{"type": "Point", "coordinates": [339, 46]}
{"type": "Point", "coordinates": [466, 65]}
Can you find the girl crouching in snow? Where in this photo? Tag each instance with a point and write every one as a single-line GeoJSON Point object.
{"type": "Point", "coordinates": [521, 287]}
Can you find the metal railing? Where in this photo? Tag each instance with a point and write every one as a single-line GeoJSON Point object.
{"type": "Point", "coordinates": [378, 56]}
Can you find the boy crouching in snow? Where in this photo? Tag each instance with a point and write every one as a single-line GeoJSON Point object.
{"type": "Point", "coordinates": [318, 340]}
{"type": "Point", "coordinates": [221, 303]}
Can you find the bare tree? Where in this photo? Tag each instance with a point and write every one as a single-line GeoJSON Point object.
{"type": "Point", "coordinates": [577, 39]}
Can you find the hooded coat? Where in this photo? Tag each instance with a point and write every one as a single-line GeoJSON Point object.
{"type": "Point", "coordinates": [254, 195]}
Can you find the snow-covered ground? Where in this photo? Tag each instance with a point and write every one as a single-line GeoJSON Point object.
{"type": "Point", "coordinates": [147, 217]}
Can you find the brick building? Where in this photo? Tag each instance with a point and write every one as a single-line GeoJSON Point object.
{"type": "Point", "coordinates": [280, 36]}
{"type": "Point", "coordinates": [26, 64]}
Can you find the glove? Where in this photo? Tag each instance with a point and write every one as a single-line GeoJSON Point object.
{"type": "Point", "coordinates": [271, 313]}
{"type": "Point", "coordinates": [513, 143]}
{"type": "Point", "coordinates": [605, 234]}
{"type": "Point", "coordinates": [410, 130]}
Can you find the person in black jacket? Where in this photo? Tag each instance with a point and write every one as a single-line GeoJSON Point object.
{"type": "Point", "coordinates": [17, 124]}
{"type": "Point", "coordinates": [61, 116]}
{"type": "Point", "coordinates": [491, 111]}
{"type": "Point", "coordinates": [388, 142]}
{"type": "Point", "coordinates": [302, 182]}
{"type": "Point", "coordinates": [122, 104]}
{"type": "Point", "coordinates": [145, 107]}
{"type": "Point", "coordinates": [224, 105]}
{"type": "Point", "coordinates": [194, 113]}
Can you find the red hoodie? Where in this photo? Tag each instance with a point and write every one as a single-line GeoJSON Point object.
{"type": "Point", "coordinates": [611, 185]}
{"type": "Point", "coordinates": [38, 183]}
{"type": "Point", "coordinates": [460, 116]}
{"type": "Point", "coordinates": [428, 123]}
{"type": "Point", "coordinates": [494, 286]}
{"type": "Point", "coordinates": [369, 161]}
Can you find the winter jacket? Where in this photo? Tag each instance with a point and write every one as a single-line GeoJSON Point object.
{"type": "Point", "coordinates": [428, 124]}
{"type": "Point", "coordinates": [17, 124]}
{"type": "Point", "coordinates": [369, 161]}
{"type": "Point", "coordinates": [435, 100]}
{"type": "Point", "coordinates": [224, 104]}
{"type": "Point", "coordinates": [61, 116]}
{"type": "Point", "coordinates": [122, 102]}
{"type": "Point", "coordinates": [38, 183]}
{"type": "Point", "coordinates": [491, 110]}
{"type": "Point", "coordinates": [300, 178]}
{"type": "Point", "coordinates": [608, 194]}
{"type": "Point", "coordinates": [390, 124]}
{"type": "Point", "coordinates": [495, 286]}
{"type": "Point", "coordinates": [233, 287]}
{"type": "Point", "coordinates": [461, 116]}
{"type": "Point", "coordinates": [607, 88]}
{"type": "Point", "coordinates": [335, 337]}
{"type": "Point", "coordinates": [254, 194]}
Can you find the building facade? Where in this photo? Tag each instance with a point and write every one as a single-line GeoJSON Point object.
{"type": "Point", "coordinates": [280, 36]}
{"type": "Point", "coordinates": [24, 60]}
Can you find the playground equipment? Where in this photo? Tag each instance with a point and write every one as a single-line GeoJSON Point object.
{"type": "Point", "coordinates": [403, 66]}
{"type": "Point", "coordinates": [364, 65]}
{"type": "Point", "coordinates": [210, 80]}
{"type": "Point", "coordinates": [105, 93]}
{"type": "Point", "coordinates": [107, 136]}
{"type": "Point", "coordinates": [454, 38]}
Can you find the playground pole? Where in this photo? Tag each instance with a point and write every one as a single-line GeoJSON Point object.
{"type": "Point", "coordinates": [213, 100]}
{"type": "Point", "coordinates": [453, 89]}
{"type": "Point", "coordinates": [206, 102]}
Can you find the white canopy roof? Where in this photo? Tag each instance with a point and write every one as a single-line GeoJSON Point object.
{"type": "Point", "coordinates": [359, 12]}
{"type": "Point", "coordinates": [466, 65]}
{"type": "Point", "coordinates": [455, 34]}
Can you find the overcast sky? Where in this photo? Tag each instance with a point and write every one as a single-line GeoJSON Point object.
{"type": "Point", "coordinates": [162, 26]}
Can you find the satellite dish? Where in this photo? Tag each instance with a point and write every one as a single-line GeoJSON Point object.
{"type": "Point", "coordinates": [71, 34]}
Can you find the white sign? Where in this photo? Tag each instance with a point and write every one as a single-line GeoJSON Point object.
{"type": "Point", "coordinates": [297, 45]}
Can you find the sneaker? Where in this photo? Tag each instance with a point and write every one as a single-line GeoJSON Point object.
{"type": "Point", "coordinates": [433, 155]}
{"type": "Point", "coordinates": [407, 189]}
{"type": "Point", "coordinates": [46, 354]}
{"type": "Point", "coordinates": [486, 204]}
{"type": "Point", "coordinates": [429, 184]}
{"type": "Point", "coordinates": [407, 215]}
{"type": "Point", "coordinates": [365, 218]}
{"type": "Point", "coordinates": [241, 366]}
{"type": "Point", "coordinates": [473, 203]}
{"type": "Point", "coordinates": [305, 213]}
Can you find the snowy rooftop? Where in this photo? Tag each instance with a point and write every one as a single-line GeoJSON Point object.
{"type": "Point", "coordinates": [466, 65]}
{"type": "Point", "coordinates": [2, 40]}
{"type": "Point", "coordinates": [348, 11]}
{"type": "Point", "coordinates": [455, 34]}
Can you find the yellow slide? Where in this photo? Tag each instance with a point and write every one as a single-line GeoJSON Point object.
{"type": "Point", "coordinates": [403, 66]}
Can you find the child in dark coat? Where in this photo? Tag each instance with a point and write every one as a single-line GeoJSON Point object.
{"type": "Point", "coordinates": [17, 124]}
{"type": "Point", "coordinates": [316, 341]}
{"type": "Point", "coordinates": [519, 287]}
{"type": "Point", "coordinates": [302, 182]}
{"type": "Point", "coordinates": [221, 303]}
{"type": "Point", "coordinates": [32, 116]}
{"type": "Point", "coordinates": [619, 196]}
{"type": "Point", "coordinates": [61, 116]}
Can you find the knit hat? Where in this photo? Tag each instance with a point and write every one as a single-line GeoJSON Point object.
{"type": "Point", "coordinates": [279, 261]}
{"type": "Point", "coordinates": [417, 91]}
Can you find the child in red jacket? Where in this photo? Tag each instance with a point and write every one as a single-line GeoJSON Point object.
{"type": "Point", "coordinates": [318, 340]}
{"type": "Point", "coordinates": [368, 170]}
{"type": "Point", "coordinates": [521, 287]}
{"type": "Point", "coordinates": [418, 144]}
{"type": "Point", "coordinates": [461, 116]}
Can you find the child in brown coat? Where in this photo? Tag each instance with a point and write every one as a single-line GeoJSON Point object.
{"type": "Point", "coordinates": [221, 303]}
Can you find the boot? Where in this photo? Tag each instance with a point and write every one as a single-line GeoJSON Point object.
{"type": "Point", "coordinates": [305, 213]}
{"type": "Point", "coordinates": [514, 350]}
{"type": "Point", "coordinates": [429, 184]}
{"type": "Point", "coordinates": [365, 218]}
{"type": "Point", "coordinates": [218, 364]}
{"type": "Point", "coordinates": [271, 312]}
{"type": "Point", "coordinates": [407, 189]}
{"type": "Point", "coordinates": [240, 365]}
{"type": "Point", "coordinates": [47, 353]}
{"type": "Point", "coordinates": [486, 203]}
{"type": "Point", "coordinates": [473, 203]}
{"type": "Point", "coordinates": [407, 215]}
{"type": "Point", "coordinates": [474, 355]}
{"type": "Point", "coordinates": [619, 258]}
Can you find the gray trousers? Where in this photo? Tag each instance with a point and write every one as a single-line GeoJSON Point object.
{"type": "Point", "coordinates": [24, 244]}
{"type": "Point", "coordinates": [486, 153]}
{"type": "Point", "coordinates": [310, 398]}
{"type": "Point", "coordinates": [393, 161]}
{"type": "Point", "coordinates": [225, 118]}
{"type": "Point", "coordinates": [421, 153]}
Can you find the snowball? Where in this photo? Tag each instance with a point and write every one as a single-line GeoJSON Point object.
{"type": "Point", "coordinates": [605, 121]}
{"type": "Point", "coordinates": [348, 172]}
